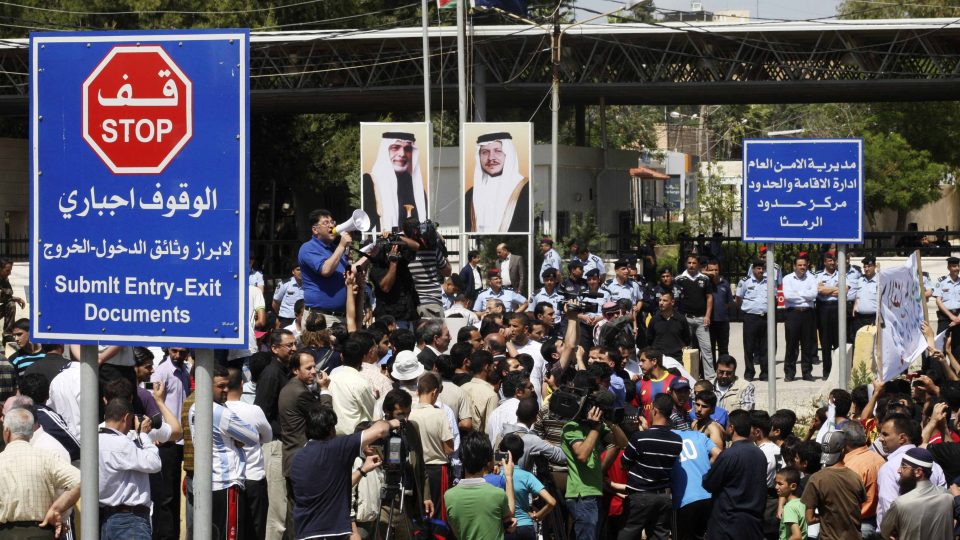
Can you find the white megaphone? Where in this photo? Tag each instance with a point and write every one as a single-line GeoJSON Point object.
{"type": "Point", "coordinates": [359, 221]}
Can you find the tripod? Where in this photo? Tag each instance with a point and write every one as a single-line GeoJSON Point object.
{"type": "Point", "coordinates": [389, 495]}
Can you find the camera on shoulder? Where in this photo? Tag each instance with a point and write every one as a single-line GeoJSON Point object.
{"type": "Point", "coordinates": [573, 403]}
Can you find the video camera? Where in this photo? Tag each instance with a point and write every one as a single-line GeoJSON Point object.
{"type": "Point", "coordinates": [429, 231]}
{"type": "Point", "coordinates": [394, 456]}
{"type": "Point", "coordinates": [573, 403]}
{"type": "Point", "coordinates": [393, 239]}
{"type": "Point", "coordinates": [574, 299]}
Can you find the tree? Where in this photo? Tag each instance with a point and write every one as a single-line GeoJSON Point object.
{"type": "Point", "coordinates": [898, 177]}
{"type": "Point", "coordinates": [897, 9]}
{"type": "Point", "coordinates": [715, 202]}
{"type": "Point", "coordinates": [583, 230]}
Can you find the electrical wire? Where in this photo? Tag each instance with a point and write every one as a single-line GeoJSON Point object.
{"type": "Point", "coordinates": [335, 19]}
{"type": "Point", "coordinates": [161, 11]}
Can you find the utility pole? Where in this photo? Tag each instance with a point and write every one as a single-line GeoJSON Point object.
{"type": "Point", "coordinates": [554, 122]}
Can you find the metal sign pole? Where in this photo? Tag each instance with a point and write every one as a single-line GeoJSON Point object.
{"type": "Point", "coordinates": [844, 370]}
{"type": "Point", "coordinates": [203, 447]}
{"type": "Point", "coordinates": [89, 435]}
{"type": "Point", "coordinates": [771, 331]}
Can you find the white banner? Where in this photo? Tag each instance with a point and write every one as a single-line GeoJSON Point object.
{"type": "Point", "coordinates": [901, 337]}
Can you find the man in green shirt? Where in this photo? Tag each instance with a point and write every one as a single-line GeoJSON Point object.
{"type": "Point", "coordinates": [477, 510]}
{"type": "Point", "coordinates": [582, 442]}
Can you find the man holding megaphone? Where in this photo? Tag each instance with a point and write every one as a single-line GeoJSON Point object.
{"type": "Point", "coordinates": [323, 262]}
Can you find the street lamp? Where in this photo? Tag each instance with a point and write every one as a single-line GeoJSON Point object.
{"type": "Point", "coordinates": [677, 115]}
{"type": "Point", "coordinates": [785, 132]}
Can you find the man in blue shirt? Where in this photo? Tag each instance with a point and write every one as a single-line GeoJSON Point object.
{"type": "Point", "coordinates": [865, 306]}
{"type": "Point", "coordinates": [549, 293]}
{"type": "Point", "coordinates": [286, 296]}
{"type": "Point", "coordinates": [551, 259]}
{"type": "Point", "coordinates": [752, 299]}
{"type": "Point", "coordinates": [691, 503]}
{"type": "Point", "coordinates": [321, 475]}
{"type": "Point", "coordinates": [510, 298]}
{"type": "Point", "coordinates": [323, 262]}
{"type": "Point", "coordinates": [799, 294]}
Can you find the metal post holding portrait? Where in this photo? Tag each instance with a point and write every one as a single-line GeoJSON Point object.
{"type": "Point", "coordinates": [497, 180]}
{"type": "Point", "coordinates": [395, 166]}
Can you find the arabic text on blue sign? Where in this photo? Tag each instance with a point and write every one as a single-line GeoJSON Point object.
{"type": "Point", "coordinates": [140, 258]}
{"type": "Point", "coordinates": [803, 190]}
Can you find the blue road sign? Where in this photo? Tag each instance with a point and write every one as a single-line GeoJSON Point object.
{"type": "Point", "coordinates": [139, 191]}
{"type": "Point", "coordinates": [803, 190]}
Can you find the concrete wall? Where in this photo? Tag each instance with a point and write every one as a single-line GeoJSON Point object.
{"type": "Point", "coordinates": [942, 213]}
{"type": "Point", "coordinates": [589, 179]}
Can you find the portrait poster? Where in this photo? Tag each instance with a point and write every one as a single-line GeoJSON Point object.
{"type": "Point", "coordinates": [394, 172]}
{"type": "Point", "coordinates": [497, 180]}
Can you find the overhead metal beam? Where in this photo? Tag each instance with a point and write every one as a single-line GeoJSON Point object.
{"type": "Point", "coordinates": [676, 63]}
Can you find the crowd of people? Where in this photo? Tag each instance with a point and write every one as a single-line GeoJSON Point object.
{"type": "Point", "coordinates": [385, 395]}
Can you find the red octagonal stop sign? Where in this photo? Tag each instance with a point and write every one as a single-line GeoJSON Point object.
{"type": "Point", "coordinates": [137, 109]}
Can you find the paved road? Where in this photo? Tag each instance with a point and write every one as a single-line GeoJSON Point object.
{"type": "Point", "coordinates": [798, 395]}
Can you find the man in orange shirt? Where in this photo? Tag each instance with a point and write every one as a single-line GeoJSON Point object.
{"type": "Point", "coordinates": [866, 463]}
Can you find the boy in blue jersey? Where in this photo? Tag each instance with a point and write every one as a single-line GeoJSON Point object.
{"type": "Point", "coordinates": [525, 486]}
{"type": "Point", "coordinates": [691, 503]}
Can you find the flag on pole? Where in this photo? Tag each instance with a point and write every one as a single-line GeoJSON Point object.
{"type": "Point", "coordinates": [446, 4]}
{"type": "Point", "coordinates": [517, 7]}
{"type": "Point", "coordinates": [902, 313]}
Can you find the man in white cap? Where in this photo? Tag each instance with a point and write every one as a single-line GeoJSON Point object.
{"type": "Point", "coordinates": [406, 370]}
{"type": "Point", "coordinates": [923, 510]}
{"type": "Point", "coordinates": [499, 200]}
{"type": "Point", "coordinates": [395, 184]}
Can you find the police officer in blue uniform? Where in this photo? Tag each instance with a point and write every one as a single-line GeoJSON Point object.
{"type": "Point", "coordinates": [589, 261]}
{"type": "Point", "coordinates": [594, 298]}
{"type": "Point", "coordinates": [621, 287]}
{"type": "Point", "coordinates": [865, 305]}
{"type": "Point", "coordinates": [549, 293]}
{"type": "Point", "coordinates": [551, 259]}
{"type": "Point", "coordinates": [828, 292]}
{"type": "Point", "coordinates": [800, 291]}
{"type": "Point", "coordinates": [512, 300]}
{"type": "Point", "coordinates": [652, 301]}
{"type": "Point", "coordinates": [947, 295]}
{"type": "Point", "coordinates": [751, 297]}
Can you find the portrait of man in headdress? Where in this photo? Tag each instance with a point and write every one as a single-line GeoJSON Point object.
{"type": "Point", "coordinates": [499, 199]}
{"type": "Point", "coordinates": [394, 187]}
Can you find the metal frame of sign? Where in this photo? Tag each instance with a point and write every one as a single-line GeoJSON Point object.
{"type": "Point", "coordinates": [766, 236]}
{"type": "Point", "coordinates": [39, 331]}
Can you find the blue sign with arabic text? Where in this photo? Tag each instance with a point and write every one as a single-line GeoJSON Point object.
{"type": "Point", "coordinates": [803, 190]}
{"type": "Point", "coordinates": [139, 188]}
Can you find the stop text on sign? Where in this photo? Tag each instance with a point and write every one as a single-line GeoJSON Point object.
{"type": "Point", "coordinates": [137, 109]}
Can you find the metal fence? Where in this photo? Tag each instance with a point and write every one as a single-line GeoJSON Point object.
{"type": "Point", "coordinates": [735, 255]}
{"type": "Point", "coordinates": [17, 249]}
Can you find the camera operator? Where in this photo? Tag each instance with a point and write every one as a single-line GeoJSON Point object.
{"type": "Point", "coordinates": [393, 284]}
{"type": "Point", "coordinates": [321, 474]}
{"type": "Point", "coordinates": [409, 469]}
{"type": "Point", "coordinates": [582, 441]}
{"type": "Point", "coordinates": [591, 298]}
{"type": "Point", "coordinates": [428, 267]}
